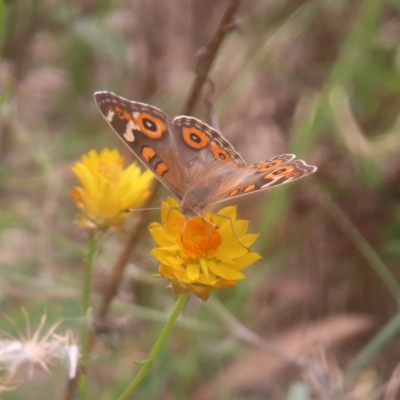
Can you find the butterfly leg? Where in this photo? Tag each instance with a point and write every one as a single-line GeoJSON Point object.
{"type": "Point", "coordinates": [208, 223]}
{"type": "Point", "coordinates": [169, 210]}
{"type": "Point", "coordinates": [233, 230]}
{"type": "Point", "coordinates": [183, 229]}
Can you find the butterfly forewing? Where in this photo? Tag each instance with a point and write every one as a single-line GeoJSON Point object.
{"type": "Point", "coordinates": [146, 130]}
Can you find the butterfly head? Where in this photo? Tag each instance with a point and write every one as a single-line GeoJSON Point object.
{"type": "Point", "coordinates": [195, 199]}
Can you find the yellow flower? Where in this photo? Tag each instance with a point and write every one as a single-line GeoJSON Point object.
{"type": "Point", "coordinates": [108, 189]}
{"type": "Point", "coordinates": [202, 254]}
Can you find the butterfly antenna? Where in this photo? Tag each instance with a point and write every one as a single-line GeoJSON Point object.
{"type": "Point", "coordinates": [144, 209]}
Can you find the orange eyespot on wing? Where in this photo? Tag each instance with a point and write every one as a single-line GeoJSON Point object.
{"type": "Point", "coordinates": [262, 167]}
{"type": "Point", "coordinates": [122, 114]}
{"type": "Point", "coordinates": [287, 173]}
{"type": "Point", "coordinates": [118, 111]}
{"type": "Point", "coordinates": [293, 175]}
{"type": "Point", "coordinates": [195, 138]}
{"type": "Point", "coordinates": [279, 172]}
{"type": "Point", "coordinates": [220, 154]}
{"type": "Point", "coordinates": [152, 127]}
{"type": "Point", "coordinates": [272, 163]}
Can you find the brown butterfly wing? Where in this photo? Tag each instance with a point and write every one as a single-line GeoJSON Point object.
{"type": "Point", "coordinates": [207, 159]}
{"type": "Point", "coordinates": [269, 173]}
{"type": "Point", "coordinates": [148, 133]}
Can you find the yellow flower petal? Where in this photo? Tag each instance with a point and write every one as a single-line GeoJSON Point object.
{"type": "Point", "coordinates": [204, 267]}
{"type": "Point", "coordinates": [160, 236]}
{"type": "Point", "coordinates": [224, 271]}
{"type": "Point", "coordinates": [175, 263]}
{"type": "Point", "coordinates": [248, 259]}
{"type": "Point", "coordinates": [193, 271]}
{"type": "Point", "coordinates": [160, 255]}
{"type": "Point", "coordinates": [227, 212]}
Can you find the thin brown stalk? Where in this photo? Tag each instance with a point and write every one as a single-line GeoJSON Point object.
{"type": "Point", "coordinates": [208, 56]}
{"type": "Point", "coordinates": [118, 270]}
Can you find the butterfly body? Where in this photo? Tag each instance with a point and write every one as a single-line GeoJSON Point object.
{"type": "Point", "coordinates": [193, 160]}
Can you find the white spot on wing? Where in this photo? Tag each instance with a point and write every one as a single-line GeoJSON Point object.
{"type": "Point", "coordinates": [267, 185]}
{"type": "Point", "coordinates": [273, 182]}
{"type": "Point", "coordinates": [128, 135]}
{"type": "Point", "coordinates": [110, 116]}
{"type": "Point", "coordinates": [136, 115]}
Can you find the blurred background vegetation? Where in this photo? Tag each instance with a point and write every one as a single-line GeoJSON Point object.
{"type": "Point", "coordinates": [318, 78]}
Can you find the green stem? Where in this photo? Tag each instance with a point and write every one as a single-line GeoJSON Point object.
{"type": "Point", "coordinates": [85, 307]}
{"type": "Point", "coordinates": [160, 341]}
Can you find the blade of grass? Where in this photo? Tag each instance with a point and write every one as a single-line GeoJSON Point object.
{"type": "Point", "coordinates": [352, 57]}
{"type": "Point", "coordinates": [384, 336]}
{"type": "Point", "coordinates": [2, 21]}
{"type": "Point", "coordinates": [365, 248]}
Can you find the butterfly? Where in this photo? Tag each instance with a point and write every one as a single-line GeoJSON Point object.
{"type": "Point", "coordinates": [193, 160]}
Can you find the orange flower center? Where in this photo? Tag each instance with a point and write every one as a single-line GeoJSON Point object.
{"type": "Point", "coordinates": [111, 171]}
{"type": "Point", "coordinates": [198, 238]}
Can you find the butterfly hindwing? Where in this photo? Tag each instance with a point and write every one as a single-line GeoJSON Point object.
{"type": "Point", "coordinates": [198, 141]}
{"type": "Point", "coordinates": [269, 173]}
